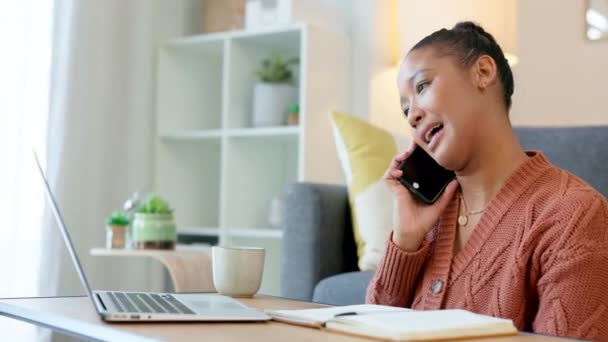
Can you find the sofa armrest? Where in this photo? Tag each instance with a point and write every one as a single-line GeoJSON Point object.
{"type": "Point", "coordinates": [317, 237]}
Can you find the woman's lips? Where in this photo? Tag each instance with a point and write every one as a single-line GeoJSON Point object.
{"type": "Point", "coordinates": [435, 139]}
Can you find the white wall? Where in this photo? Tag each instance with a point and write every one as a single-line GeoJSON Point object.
{"type": "Point", "coordinates": [374, 88]}
{"type": "Point", "coordinates": [561, 78]}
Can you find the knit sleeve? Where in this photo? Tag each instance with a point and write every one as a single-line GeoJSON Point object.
{"type": "Point", "coordinates": [573, 284]}
{"type": "Point", "coordinates": [395, 279]}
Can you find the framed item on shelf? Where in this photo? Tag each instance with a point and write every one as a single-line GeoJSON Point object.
{"type": "Point", "coordinates": [223, 15]}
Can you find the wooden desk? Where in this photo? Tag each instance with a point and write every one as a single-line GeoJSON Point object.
{"type": "Point", "coordinates": [76, 316]}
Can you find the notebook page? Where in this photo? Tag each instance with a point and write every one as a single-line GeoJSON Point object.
{"type": "Point", "coordinates": [322, 315]}
{"type": "Point", "coordinates": [427, 321]}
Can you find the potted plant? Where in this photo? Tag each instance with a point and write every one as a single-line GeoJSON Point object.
{"type": "Point", "coordinates": [116, 227]}
{"type": "Point", "coordinates": [273, 93]}
{"type": "Point", "coordinates": [153, 226]}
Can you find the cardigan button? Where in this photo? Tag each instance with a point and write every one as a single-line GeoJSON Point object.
{"type": "Point", "coordinates": [437, 286]}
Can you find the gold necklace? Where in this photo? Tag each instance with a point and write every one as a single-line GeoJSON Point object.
{"type": "Point", "coordinates": [464, 219]}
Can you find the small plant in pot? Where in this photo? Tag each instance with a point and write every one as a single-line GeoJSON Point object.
{"type": "Point", "coordinates": [273, 93]}
{"type": "Point", "coordinates": [116, 228]}
{"type": "Point", "coordinates": [153, 225]}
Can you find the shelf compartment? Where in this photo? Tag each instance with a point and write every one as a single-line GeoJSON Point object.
{"type": "Point", "coordinates": [257, 169]}
{"type": "Point", "coordinates": [188, 175]}
{"type": "Point", "coordinates": [246, 55]}
{"type": "Point", "coordinates": [190, 86]}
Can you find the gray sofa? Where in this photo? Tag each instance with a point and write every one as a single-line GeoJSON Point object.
{"type": "Point", "coordinates": [319, 261]}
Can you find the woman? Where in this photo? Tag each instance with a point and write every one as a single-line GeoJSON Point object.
{"type": "Point", "coordinates": [512, 236]}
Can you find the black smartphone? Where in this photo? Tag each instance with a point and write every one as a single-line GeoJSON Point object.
{"type": "Point", "coordinates": [423, 177]}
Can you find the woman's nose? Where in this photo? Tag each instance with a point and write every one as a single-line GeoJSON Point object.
{"type": "Point", "coordinates": [414, 116]}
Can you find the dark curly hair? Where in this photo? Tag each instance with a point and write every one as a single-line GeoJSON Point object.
{"type": "Point", "coordinates": [468, 41]}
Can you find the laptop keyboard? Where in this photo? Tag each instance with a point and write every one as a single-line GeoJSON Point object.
{"type": "Point", "coordinates": [148, 303]}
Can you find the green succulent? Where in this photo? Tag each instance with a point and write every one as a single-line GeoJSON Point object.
{"type": "Point", "coordinates": [276, 69]}
{"type": "Point", "coordinates": [154, 204]}
{"type": "Point", "coordinates": [117, 219]}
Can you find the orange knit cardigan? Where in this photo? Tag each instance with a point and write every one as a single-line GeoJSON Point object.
{"type": "Point", "coordinates": [539, 256]}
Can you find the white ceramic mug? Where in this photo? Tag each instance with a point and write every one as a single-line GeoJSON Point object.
{"type": "Point", "coordinates": [237, 271]}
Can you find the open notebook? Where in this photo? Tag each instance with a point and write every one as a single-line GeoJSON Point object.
{"type": "Point", "coordinates": [398, 324]}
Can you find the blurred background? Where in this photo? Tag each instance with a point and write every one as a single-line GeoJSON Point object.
{"type": "Point", "coordinates": [217, 105]}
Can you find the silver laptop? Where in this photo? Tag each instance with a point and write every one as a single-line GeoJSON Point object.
{"type": "Point", "coordinates": [119, 306]}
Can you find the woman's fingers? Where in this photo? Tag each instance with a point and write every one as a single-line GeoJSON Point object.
{"type": "Point", "coordinates": [447, 195]}
{"type": "Point", "coordinates": [393, 172]}
{"type": "Point", "coordinates": [399, 159]}
{"type": "Point", "coordinates": [412, 146]}
{"type": "Point", "coordinates": [396, 173]}
{"type": "Point", "coordinates": [403, 156]}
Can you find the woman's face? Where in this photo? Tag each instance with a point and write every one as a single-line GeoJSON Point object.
{"type": "Point", "coordinates": [442, 104]}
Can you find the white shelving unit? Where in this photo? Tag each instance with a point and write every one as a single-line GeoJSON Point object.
{"type": "Point", "coordinates": [220, 173]}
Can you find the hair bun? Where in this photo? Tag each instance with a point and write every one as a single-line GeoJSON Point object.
{"type": "Point", "coordinates": [469, 26]}
{"type": "Point", "coordinates": [476, 29]}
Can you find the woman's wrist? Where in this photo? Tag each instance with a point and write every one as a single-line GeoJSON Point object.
{"type": "Point", "coordinates": [408, 242]}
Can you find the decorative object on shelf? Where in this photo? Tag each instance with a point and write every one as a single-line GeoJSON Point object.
{"type": "Point", "coordinates": [116, 227]}
{"type": "Point", "coordinates": [267, 13]}
{"type": "Point", "coordinates": [223, 15]}
{"type": "Point", "coordinates": [596, 19]}
{"type": "Point", "coordinates": [293, 118]}
{"type": "Point", "coordinates": [129, 208]}
{"type": "Point", "coordinates": [153, 226]}
{"type": "Point", "coordinates": [273, 93]}
{"type": "Point", "coordinates": [275, 217]}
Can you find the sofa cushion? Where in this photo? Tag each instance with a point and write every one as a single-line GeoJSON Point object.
{"type": "Point", "coordinates": [365, 151]}
{"type": "Point", "coordinates": [343, 289]}
{"type": "Point", "coordinates": [580, 150]}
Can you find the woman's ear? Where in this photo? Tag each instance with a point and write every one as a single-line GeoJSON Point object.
{"type": "Point", "coordinates": [484, 72]}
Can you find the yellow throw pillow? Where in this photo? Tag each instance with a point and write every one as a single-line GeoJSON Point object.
{"type": "Point", "coordinates": [365, 152]}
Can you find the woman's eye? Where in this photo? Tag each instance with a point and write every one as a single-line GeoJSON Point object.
{"type": "Point", "coordinates": [420, 86]}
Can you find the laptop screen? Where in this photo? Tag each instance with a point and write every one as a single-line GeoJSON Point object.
{"type": "Point", "coordinates": [64, 231]}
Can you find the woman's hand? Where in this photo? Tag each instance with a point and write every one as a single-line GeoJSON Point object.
{"type": "Point", "coordinates": [411, 219]}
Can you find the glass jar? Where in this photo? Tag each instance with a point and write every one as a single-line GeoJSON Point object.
{"type": "Point", "coordinates": [153, 231]}
{"type": "Point", "coordinates": [115, 236]}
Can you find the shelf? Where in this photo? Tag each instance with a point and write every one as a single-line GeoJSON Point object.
{"type": "Point", "coordinates": [208, 38]}
{"type": "Point", "coordinates": [222, 174]}
{"type": "Point", "coordinates": [236, 232]}
{"type": "Point", "coordinates": [278, 131]}
{"type": "Point", "coordinates": [212, 134]}
{"type": "Point", "coordinates": [255, 232]}
{"type": "Point", "coordinates": [179, 249]}
{"type": "Point", "coordinates": [190, 267]}
{"type": "Point", "coordinates": [204, 231]}
{"type": "Point", "coordinates": [189, 135]}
